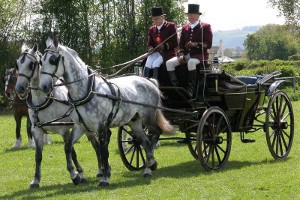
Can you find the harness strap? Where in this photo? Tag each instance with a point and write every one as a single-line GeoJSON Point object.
{"type": "Point", "coordinates": [112, 115]}
{"type": "Point", "coordinates": [85, 99]}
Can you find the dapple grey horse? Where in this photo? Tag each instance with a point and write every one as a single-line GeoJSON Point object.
{"type": "Point", "coordinates": [100, 103]}
{"type": "Point", "coordinates": [43, 109]}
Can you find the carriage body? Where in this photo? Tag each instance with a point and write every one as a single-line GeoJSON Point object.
{"type": "Point", "coordinates": [223, 104]}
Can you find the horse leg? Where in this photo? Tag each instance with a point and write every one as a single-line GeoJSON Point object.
{"type": "Point", "coordinates": [29, 133]}
{"type": "Point", "coordinates": [96, 147]}
{"type": "Point", "coordinates": [74, 158]}
{"type": "Point", "coordinates": [38, 138]}
{"type": "Point", "coordinates": [104, 137]}
{"type": "Point", "coordinates": [138, 131]}
{"type": "Point", "coordinates": [69, 151]}
{"type": "Point", "coordinates": [18, 120]}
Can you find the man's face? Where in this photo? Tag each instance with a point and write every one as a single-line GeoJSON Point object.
{"type": "Point", "coordinates": [193, 17]}
{"type": "Point", "coordinates": [158, 20]}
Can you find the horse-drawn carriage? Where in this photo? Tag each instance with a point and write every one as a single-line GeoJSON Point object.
{"type": "Point", "coordinates": [223, 104]}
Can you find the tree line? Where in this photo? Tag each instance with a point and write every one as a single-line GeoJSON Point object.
{"type": "Point", "coordinates": [103, 32]}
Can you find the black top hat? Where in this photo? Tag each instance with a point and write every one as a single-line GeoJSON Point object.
{"type": "Point", "coordinates": [157, 11]}
{"type": "Point", "coordinates": [193, 9]}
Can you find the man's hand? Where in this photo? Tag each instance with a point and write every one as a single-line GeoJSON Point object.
{"type": "Point", "coordinates": [190, 45]}
{"type": "Point", "coordinates": [181, 59]}
{"type": "Point", "coordinates": [150, 49]}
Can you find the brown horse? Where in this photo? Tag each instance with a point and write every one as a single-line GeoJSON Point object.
{"type": "Point", "coordinates": [19, 106]}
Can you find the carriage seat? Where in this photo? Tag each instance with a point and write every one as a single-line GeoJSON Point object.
{"type": "Point", "coordinates": [249, 80]}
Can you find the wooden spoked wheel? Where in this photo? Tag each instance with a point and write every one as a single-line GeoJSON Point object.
{"type": "Point", "coordinates": [131, 150]}
{"type": "Point", "coordinates": [279, 125]}
{"type": "Point", "coordinates": [214, 139]}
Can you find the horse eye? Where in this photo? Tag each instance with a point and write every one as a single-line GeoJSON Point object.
{"type": "Point", "coordinates": [53, 60]}
{"type": "Point", "coordinates": [31, 65]}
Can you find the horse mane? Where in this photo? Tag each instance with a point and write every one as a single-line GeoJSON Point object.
{"type": "Point", "coordinates": [72, 53]}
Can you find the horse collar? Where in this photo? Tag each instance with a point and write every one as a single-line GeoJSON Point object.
{"type": "Point", "coordinates": [89, 95]}
{"type": "Point", "coordinates": [41, 106]}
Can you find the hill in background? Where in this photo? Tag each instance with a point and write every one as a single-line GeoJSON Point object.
{"type": "Point", "coordinates": [233, 38]}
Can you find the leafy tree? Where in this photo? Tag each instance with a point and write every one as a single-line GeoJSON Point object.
{"type": "Point", "coordinates": [271, 42]}
{"type": "Point", "coordinates": [290, 9]}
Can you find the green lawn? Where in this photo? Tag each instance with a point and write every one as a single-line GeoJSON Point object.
{"type": "Point", "coordinates": [250, 173]}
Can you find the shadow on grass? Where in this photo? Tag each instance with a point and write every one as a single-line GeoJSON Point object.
{"type": "Point", "coordinates": [181, 170]}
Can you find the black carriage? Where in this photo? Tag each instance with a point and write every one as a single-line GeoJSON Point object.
{"type": "Point", "coordinates": [223, 104]}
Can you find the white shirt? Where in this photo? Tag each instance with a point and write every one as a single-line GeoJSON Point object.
{"type": "Point", "coordinates": [194, 24]}
{"type": "Point", "coordinates": [159, 27]}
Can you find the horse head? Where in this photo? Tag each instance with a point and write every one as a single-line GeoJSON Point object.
{"type": "Point", "coordinates": [10, 79]}
{"type": "Point", "coordinates": [28, 67]}
{"type": "Point", "coordinates": [52, 67]}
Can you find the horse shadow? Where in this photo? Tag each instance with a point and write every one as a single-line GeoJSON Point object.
{"type": "Point", "coordinates": [177, 171]}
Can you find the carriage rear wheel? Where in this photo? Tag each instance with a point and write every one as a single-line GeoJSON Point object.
{"type": "Point", "coordinates": [192, 143]}
{"type": "Point", "coordinates": [131, 150]}
{"type": "Point", "coordinates": [213, 139]}
{"type": "Point", "coordinates": [279, 126]}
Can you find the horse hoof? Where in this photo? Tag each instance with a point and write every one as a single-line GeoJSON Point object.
{"type": "Point", "coordinates": [83, 180]}
{"type": "Point", "coordinates": [34, 186]}
{"type": "Point", "coordinates": [103, 183]}
{"type": "Point", "coordinates": [99, 175]}
{"type": "Point", "coordinates": [76, 180]}
{"type": "Point", "coordinates": [153, 166]}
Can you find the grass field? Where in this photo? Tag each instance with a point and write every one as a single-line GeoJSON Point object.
{"type": "Point", "coordinates": [250, 173]}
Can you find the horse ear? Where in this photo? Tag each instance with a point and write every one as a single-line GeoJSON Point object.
{"type": "Point", "coordinates": [49, 41]}
{"type": "Point", "coordinates": [24, 47]}
{"type": "Point", "coordinates": [35, 47]}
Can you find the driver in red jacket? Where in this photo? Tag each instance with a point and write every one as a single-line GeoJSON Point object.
{"type": "Point", "coordinates": [196, 38]}
{"type": "Point", "coordinates": [159, 32]}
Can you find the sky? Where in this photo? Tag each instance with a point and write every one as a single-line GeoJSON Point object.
{"type": "Point", "coordinates": [236, 14]}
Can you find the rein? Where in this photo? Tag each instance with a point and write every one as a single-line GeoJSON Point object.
{"type": "Point", "coordinates": [131, 62]}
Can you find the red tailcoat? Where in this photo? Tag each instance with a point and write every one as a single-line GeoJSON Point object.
{"type": "Point", "coordinates": [156, 36]}
{"type": "Point", "coordinates": [200, 34]}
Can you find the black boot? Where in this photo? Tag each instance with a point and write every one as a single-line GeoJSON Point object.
{"type": "Point", "coordinates": [146, 72]}
{"type": "Point", "coordinates": [155, 73]}
{"type": "Point", "coordinates": [173, 78]}
{"type": "Point", "coordinates": [191, 83]}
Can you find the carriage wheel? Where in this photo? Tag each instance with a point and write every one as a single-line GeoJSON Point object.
{"type": "Point", "coordinates": [213, 139]}
{"type": "Point", "coordinates": [192, 144]}
{"type": "Point", "coordinates": [279, 126]}
{"type": "Point", "coordinates": [131, 150]}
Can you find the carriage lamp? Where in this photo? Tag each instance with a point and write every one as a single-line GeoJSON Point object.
{"type": "Point", "coordinates": [138, 69]}
{"type": "Point", "coordinates": [215, 67]}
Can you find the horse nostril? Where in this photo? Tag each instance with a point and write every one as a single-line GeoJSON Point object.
{"type": "Point", "coordinates": [20, 89]}
{"type": "Point", "coordinates": [7, 94]}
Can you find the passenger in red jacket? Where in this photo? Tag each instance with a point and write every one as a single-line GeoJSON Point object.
{"type": "Point", "coordinates": [196, 38]}
{"type": "Point", "coordinates": [159, 32]}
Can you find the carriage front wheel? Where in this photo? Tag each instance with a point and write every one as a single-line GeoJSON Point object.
{"type": "Point", "coordinates": [279, 125]}
{"type": "Point", "coordinates": [131, 151]}
{"type": "Point", "coordinates": [213, 139]}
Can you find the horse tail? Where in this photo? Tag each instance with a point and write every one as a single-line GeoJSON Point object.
{"type": "Point", "coordinates": [163, 123]}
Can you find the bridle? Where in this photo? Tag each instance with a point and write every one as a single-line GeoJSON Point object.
{"type": "Point", "coordinates": [6, 78]}
{"type": "Point", "coordinates": [34, 63]}
{"type": "Point", "coordinates": [53, 60]}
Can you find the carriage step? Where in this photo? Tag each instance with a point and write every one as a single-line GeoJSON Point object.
{"type": "Point", "coordinates": [247, 140]}
{"type": "Point", "coordinates": [183, 141]}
